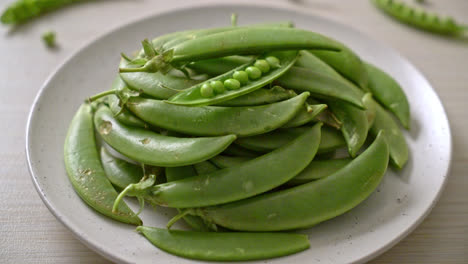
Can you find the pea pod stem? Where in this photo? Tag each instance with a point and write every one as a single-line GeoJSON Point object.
{"type": "Point", "coordinates": [100, 95]}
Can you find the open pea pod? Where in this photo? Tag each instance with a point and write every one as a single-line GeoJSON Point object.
{"type": "Point", "coordinates": [225, 246]}
{"type": "Point", "coordinates": [152, 148]}
{"type": "Point", "coordinates": [307, 204]}
{"type": "Point", "coordinates": [218, 66]}
{"type": "Point", "coordinates": [85, 171]}
{"type": "Point", "coordinates": [217, 120]}
{"type": "Point", "coordinates": [193, 96]}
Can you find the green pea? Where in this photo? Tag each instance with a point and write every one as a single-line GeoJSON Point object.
{"type": "Point", "coordinates": [262, 65]}
{"type": "Point", "coordinates": [273, 61]}
{"type": "Point", "coordinates": [241, 76]}
{"type": "Point", "coordinates": [253, 72]}
{"type": "Point", "coordinates": [232, 84]}
{"type": "Point", "coordinates": [206, 90]}
{"type": "Point", "coordinates": [218, 87]}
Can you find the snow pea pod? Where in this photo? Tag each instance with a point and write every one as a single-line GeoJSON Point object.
{"type": "Point", "coordinates": [231, 184]}
{"type": "Point", "coordinates": [238, 151]}
{"type": "Point", "coordinates": [260, 97]}
{"type": "Point", "coordinates": [393, 135]}
{"type": "Point", "coordinates": [307, 204]}
{"type": "Point", "coordinates": [225, 246]}
{"type": "Point", "coordinates": [123, 115]}
{"type": "Point", "coordinates": [251, 40]}
{"type": "Point", "coordinates": [318, 169]}
{"type": "Point", "coordinates": [389, 93]}
{"type": "Point", "coordinates": [205, 167]}
{"type": "Point", "coordinates": [330, 139]}
{"type": "Point", "coordinates": [156, 84]}
{"type": "Point", "coordinates": [120, 172]}
{"type": "Point", "coordinates": [217, 120]}
{"type": "Point", "coordinates": [85, 171]}
{"type": "Point", "coordinates": [222, 161]}
{"type": "Point", "coordinates": [320, 85]}
{"type": "Point", "coordinates": [151, 148]}
{"type": "Point", "coordinates": [347, 63]}
{"type": "Point", "coordinates": [194, 97]}
{"type": "Point", "coordinates": [307, 114]}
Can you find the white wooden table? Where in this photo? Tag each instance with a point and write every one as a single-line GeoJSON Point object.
{"type": "Point", "coordinates": [29, 233]}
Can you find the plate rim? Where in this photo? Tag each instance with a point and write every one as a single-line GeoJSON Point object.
{"type": "Point", "coordinates": [271, 5]}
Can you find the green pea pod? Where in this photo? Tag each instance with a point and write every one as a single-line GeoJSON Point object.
{"type": "Point", "coordinates": [177, 173]}
{"type": "Point", "coordinates": [120, 172]}
{"type": "Point", "coordinates": [355, 125]}
{"type": "Point", "coordinates": [368, 101]}
{"type": "Point", "coordinates": [217, 120]}
{"type": "Point", "coordinates": [320, 85]}
{"type": "Point", "coordinates": [154, 149]}
{"type": "Point", "coordinates": [222, 161]}
{"type": "Point", "coordinates": [307, 114]}
{"type": "Point", "coordinates": [330, 139]}
{"type": "Point", "coordinates": [394, 136]}
{"type": "Point", "coordinates": [123, 115]}
{"type": "Point", "coordinates": [193, 96]}
{"type": "Point", "coordinates": [251, 40]}
{"type": "Point", "coordinates": [218, 66]}
{"type": "Point", "coordinates": [205, 32]}
{"type": "Point", "coordinates": [347, 63]}
{"type": "Point", "coordinates": [251, 178]}
{"type": "Point", "coordinates": [389, 93]}
{"type": "Point", "coordinates": [225, 246]}
{"type": "Point", "coordinates": [156, 84]}
{"type": "Point", "coordinates": [85, 171]}
{"type": "Point", "coordinates": [318, 169]}
{"type": "Point", "coordinates": [205, 167]}
{"type": "Point", "coordinates": [307, 204]}
{"type": "Point", "coordinates": [260, 97]}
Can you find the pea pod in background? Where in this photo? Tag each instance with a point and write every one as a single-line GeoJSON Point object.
{"type": "Point", "coordinates": [217, 120]}
{"type": "Point", "coordinates": [151, 148]}
{"type": "Point", "coordinates": [85, 171]}
{"type": "Point", "coordinates": [307, 204]}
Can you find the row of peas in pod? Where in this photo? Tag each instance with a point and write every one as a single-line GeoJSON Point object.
{"type": "Point", "coordinates": [237, 129]}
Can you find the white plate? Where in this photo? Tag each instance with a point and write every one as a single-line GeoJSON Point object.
{"type": "Point", "coordinates": [401, 202]}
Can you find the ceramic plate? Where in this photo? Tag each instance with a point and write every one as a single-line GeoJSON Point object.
{"type": "Point", "coordinates": [400, 203]}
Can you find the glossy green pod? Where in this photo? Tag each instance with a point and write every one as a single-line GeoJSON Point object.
{"type": "Point", "coordinates": [85, 171]}
{"type": "Point", "coordinates": [307, 204]}
{"type": "Point", "coordinates": [389, 93]}
{"type": "Point", "coordinates": [120, 173]}
{"type": "Point", "coordinates": [307, 114]}
{"type": "Point", "coordinates": [260, 97]}
{"type": "Point", "coordinates": [217, 120]}
{"type": "Point", "coordinates": [238, 151]}
{"type": "Point", "coordinates": [225, 246]}
{"type": "Point", "coordinates": [223, 161]}
{"type": "Point", "coordinates": [330, 139]}
{"type": "Point", "coordinates": [251, 41]}
{"type": "Point", "coordinates": [231, 184]}
{"type": "Point", "coordinates": [124, 116]}
{"type": "Point", "coordinates": [205, 167]}
{"type": "Point", "coordinates": [320, 85]}
{"type": "Point", "coordinates": [154, 149]}
{"type": "Point", "coordinates": [192, 96]}
{"type": "Point", "coordinates": [218, 66]}
{"type": "Point", "coordinates": [396, 141]}
{"type": "Point", "coordinates": [318, 169]}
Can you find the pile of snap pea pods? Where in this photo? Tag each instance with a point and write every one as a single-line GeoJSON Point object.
{"type": "Point", "coordinates": [236, 128]}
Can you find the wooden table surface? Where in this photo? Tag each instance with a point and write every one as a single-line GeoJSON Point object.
{"type": "Point", "coordinates": [29, 233]}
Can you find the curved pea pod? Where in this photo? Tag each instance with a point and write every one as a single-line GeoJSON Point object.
{"type": "Point", "coordinates": [154, 149]}
{"type": "Point", "coordinates": [318, 169]}
{"type": "Point", "coordinates": [252, 40]}
{"type": "Point", "coordinates": [347, 63]}
{"type": "Point", "coordinates": [320, 85]}
{"type": "Point", "coordinates": [307, 204]}
{"type": "Point", "coordinates": [217, 120]}
{"type": "Point", "coordinates": [369, 103]}
{"type": "Point", "coordinates": [85, 171]}
{"type": "Point", "coordinates": [355, 125]}
{"type": "Point", "coordinates": [389, 93]}
{"type": "Point", "coordinates": [218, 66]}
{"type": "Point", "coordinates": [193, 96]}
{"type": "Point", "coordinates": [156, 84]}
{"type": "Point", "coordinates": [251, 178]}
{"type": "Point", "coordinates": [394, 136]}
{"type": "Point", "coordinates": [227, 161]}
{"type": "Point", "coordinates": [120, 172]}
{"type": "Point", "coordinates": [330, 140]}
{"type": "Point", "coordinates": [225, 246]}
{"type": "Point", "coordinates": [260, 97]}
{"type": "Point", "coordinates": [307, 114]}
